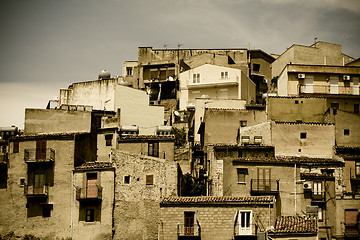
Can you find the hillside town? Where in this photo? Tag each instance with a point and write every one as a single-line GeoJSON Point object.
{"type": "Point", "coordinates": [211, 144]}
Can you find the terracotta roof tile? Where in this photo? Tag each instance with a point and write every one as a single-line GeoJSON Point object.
{"type": "Point", "coordinates": [290, 159]}
{"type": "Point", "coordinates": [227, 199]}
{"type": "Point", "coordinates": [146, 137]}
{"type": "Point", "coordinates": [95, 165]}
{"type": "Point", "coordinates": [296, 224]}
{"type": "Point", "coordinates": [308, 123]}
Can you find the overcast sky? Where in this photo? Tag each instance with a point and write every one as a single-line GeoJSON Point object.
{"type": "Point", "coordinates": [49, 44]}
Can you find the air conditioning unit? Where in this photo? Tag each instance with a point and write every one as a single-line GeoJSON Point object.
{"type": "Point", "coordinates": [301, 75]}
{"type": "Point", "coordinates": [258, 139]}
{"type": "Point", "coordinates": [346, 77]}
{"type": "Point", "coordinates": [307, 186]}
{"type": "Point", "coordinates": [245, 139]}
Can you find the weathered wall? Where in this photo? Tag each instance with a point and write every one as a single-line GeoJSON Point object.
{"type": "Point", "coordinates": [135, 110]}
{"type": "Point", "coordinates": [216, 221]}
{"type": "Point", "coordinates": [351, 122]}
{"type": "Point", "coordinates": [13, 209]}
{"type": "Point", "coordinates": [319, 142]}
{"type": "Point", "coordinates": [230, 123]}
{"type": "Point", "coordinates": [292, 109]}
{"type": "Point", "coordinates": [96, 230]}
{"type": "Point", "coordinates": [99, 94]}
{"type": "Point", "coordinates": [261, 129]}
{"type": "Point", "coordinates": [51, 121]}
{"type": "Point", "coordinates": [341, 205]}
{"type": "Point", "coordinates": [136, 203]}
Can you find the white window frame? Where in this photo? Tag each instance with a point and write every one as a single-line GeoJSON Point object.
{"type": "Point", "coordinates": [196, 78]}
{"type": "Point", "coordinates": [224, 75]}
{"type": "Point", "coordinates": [245, 228]}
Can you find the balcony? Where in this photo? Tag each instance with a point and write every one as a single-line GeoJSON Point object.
{"type": "Point", "coordinates": [36, 191]}
{"type": "Point", "coordinates": [264, 186]}
{"type": "Point", "coordinates": [39, 155]}
{"type": "Point", "coordinates": [327, 89]}
{"type": "Point", "coordinates": [318, 196]}
{"type": "Point", "coordinates": [90, 193]}
{"type": "Point", "coordinates": [243, 232]}
{"type": "Point", "coordinates": [188, 231]}
{"type": "Point", "coordinates": [3, 158]}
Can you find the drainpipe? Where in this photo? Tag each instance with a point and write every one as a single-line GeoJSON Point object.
{"type": "Point", "coordinates": [295, 185]}
{"type": "Point", "coordinates": [72, 204]}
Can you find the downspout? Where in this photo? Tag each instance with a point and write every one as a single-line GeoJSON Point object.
{"type": "Point", "coordinates": [295, 186]}
{"type": "Point", "coordinates": [72, 204]}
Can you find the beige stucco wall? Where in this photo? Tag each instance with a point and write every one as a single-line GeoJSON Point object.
{"type": "Point", "coordinates": [341, 205]}
{"type": "Point", "coordinates": [217, 222]}
{"type": "Point", "coordinates": [13, 209]}
{"type": "Point", "coordinates": [166, 148]}
{"type": "Point", "coordinates": [99, 94]}
{"type": "Point", "coordinates": [350, 121]}
{"type": "Point", "coordinates": [230, 123]}
{"type": "Point", "coordinates": [97, 230]}
{"type": "Point", "coordinates": [319, 141]}
{"type": "Point", "coordinates": [137, 208]}
{"type": "Point", "coordinates": [306, 109]}
{"type": "Point", "coordinates": [51, 121]}
{"type": "Point", "coordinates": [135, 110]}
{"type": "Point", "coordinates": [261, 129]}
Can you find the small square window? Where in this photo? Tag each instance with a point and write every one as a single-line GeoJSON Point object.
{"type": "Point", "coordinates": [296, 102]}
{"type": "Point", "coordinates": [243, 123]}
{"type": "Point", "coordinates": [47, 210]}
{"type": "Point", "coordinates": [126, 179]}
{"type": "Point", "coordinates": [90, 215]}
{"type": "Point", "coordinates": [303, 135]}
{"type": "Point", "coordinates": [241, 173]}
{"type": "Point", "coordinates": [256, 67]}
{"type": "Point", "coordinates": [346, 132]}
{"type": "Point", "coordinates": [334, 105]}
{"type": "Point", "coordinates": [16, 147]}
{"type": "Point", "coordinates": [22, 181]}
{"type": "Point", "coordinates": [149, 179]}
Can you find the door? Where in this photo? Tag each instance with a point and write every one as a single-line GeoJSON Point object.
{"type": "Point", "coordinates": [38, 183]}
{"type": "Point", "coordinates": [41, 149]}
{"type": "Point", "coordinates": [91, 186]}
{"type": "Point", "coordinates": [309, 84]}
{"type": "Point", "coordinates": [264, 179]}
{"type": "Point", "coordinates": [334, 85]}
{"type": "Point", "coordinates": [189, 223]}
{"type": "Point", "coordinates": [245, 222]}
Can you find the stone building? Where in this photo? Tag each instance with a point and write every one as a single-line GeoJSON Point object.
{"type": "Point", "coordinates": [216, 217]}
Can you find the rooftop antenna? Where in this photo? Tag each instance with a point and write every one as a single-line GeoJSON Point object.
{"type": "Point", "coordinates": [315, 39]}
{"type": "Point", "coordinates": [166, 45]}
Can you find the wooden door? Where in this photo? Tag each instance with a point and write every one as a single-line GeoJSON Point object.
{"type": "Point", "coordinates": [189, 223]}
{"type": "Point", "coordinates": [91, 187]}
{"type": "Point", "coordinates": [41, 149]}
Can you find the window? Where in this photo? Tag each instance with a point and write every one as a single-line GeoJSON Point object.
{"type": "Point", "coordinates": [189, 223]}
{"type": "Point", "coordinates": [196, 77]}
{"type": "Point", "coordinates": [149, 179]}
{"type": "Point", "coordinates": [317, 190]}
{"type": "Point", "coordinates": [108, 139]}
{"type": "Point", "coordinates": [91, 186]}
{"type": "Point", "coordinates": [129, 71]}
{"type": "Point", "coordinates": [320, 214]}
{"type": "Point", "coordinates": [15, 147]}
{"type": "Point", "coordinates": [356, 108]}
{"type": "Point", "coordinates": [296, 101]}
{"type": "Point", "coordinates": [245, 222]}
{"type": "Point", "coordinates": [346, 132]}
{"type": "Point", "coordinates": [303, 135]}
{"type": "Point", "coordinates": [357, 168]}
{"type": "Point", "coordinates": [41, 149]}
{"type": "Point", "coordinates": [256, 67]}
{"type": "Point", "coordinates": [263, 182]}
{"type": "Point", "coordinates": [224, 75]}
{"type": "Point", "coordinates": [22, 181]}
{"type": "Point", "coordinates": [90, 215]}
{"type": "Point", "coordinates": [241, 174]}
{"type": "Point", "coordinates": [243, 123]}
{"type": "Point", "coordinates": [153, 149]}
{"type": "Point", "coordinates": [351, 221]}
{"type": "Point", "coordinates": [126, 179]}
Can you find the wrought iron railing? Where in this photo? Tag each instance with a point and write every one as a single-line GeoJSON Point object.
{"type": "Point", "coordinates": [188, 230]}
{"type": "Point", "coordinates": [318, 196]}
{"type": "Point", "coordinates": [242, 230]}
{"type": "Point", "coordinates": [266, 186]}
{"type": "Point", "coordinates": [327, 89]}
{"type": "Point", "coordinates": [89, 193]}
{"type": "Point", "coordinates": [39, 155]}
{"type": "Point", "coordinates": [36, 190]}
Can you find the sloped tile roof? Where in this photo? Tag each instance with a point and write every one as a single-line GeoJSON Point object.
{"type": "Point", "coordinates": [295, 224]}
{"type": "Point", "coordinates": [287, 160]}
{"type": "Point", "coordinates": [95, 166]}
{"type": "Point", "coordinates": [146, 137]}
{"type": "Point", "coordinates": [227, 200]}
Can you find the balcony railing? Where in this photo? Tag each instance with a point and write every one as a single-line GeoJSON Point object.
{"type": "Point", "coordinates": [36, 190]}
{"type": "Point", "coordinates": [241, 230]}
{"type": "Point", "coordinates": [327, 89]}
{"type": "Point", "coordinates": [318, 196]}
{"type": "Point", "coordinates": [264, 186]}
{"type": "Point", "coordinates": [89, 193]}
{"type": "Point", "coordinates": [354, 175]}
{"type": "Point", "coordinates": [39, 155]}
{"type": "Point", "coordinates": [3, 158]}
{"type": "Point", "coordinates": [189, 230]}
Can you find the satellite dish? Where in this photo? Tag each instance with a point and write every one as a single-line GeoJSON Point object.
{"type": "Point", "coordinates": [176, 113]}
{"type": "Point", "coordinates": [171, 78]}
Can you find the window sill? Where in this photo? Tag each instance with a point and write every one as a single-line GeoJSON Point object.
{"type": "Point", "coordinates": [242, 183]}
